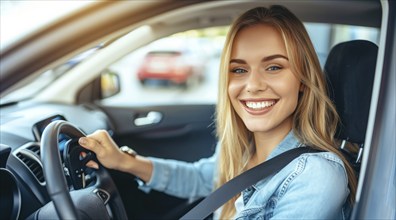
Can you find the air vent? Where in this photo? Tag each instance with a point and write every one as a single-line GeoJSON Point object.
{"type": "Point", "coordinates": [30, 157]}
{"type": "Point", "coordinates": [35, 149]}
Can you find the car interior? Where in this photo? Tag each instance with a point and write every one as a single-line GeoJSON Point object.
{"type": "Point", "coordinates": [350, 70]}
{"type": "Point", "coordinates": [41, 173]}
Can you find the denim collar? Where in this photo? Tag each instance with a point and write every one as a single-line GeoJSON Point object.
{"type": "Point", "coordinates": [288, 143]}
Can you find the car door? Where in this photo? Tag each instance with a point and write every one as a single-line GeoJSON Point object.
{"type": "Point", "coordinates": [376, 193]}
{"type": "Point", "coordinates": [181, 132]}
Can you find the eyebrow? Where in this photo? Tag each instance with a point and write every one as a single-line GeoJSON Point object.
{"type": "Point", "coordinates": [265, 59]}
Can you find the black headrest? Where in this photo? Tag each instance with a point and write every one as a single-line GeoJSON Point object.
{"type": "Point", "coordinates": [349, 70]}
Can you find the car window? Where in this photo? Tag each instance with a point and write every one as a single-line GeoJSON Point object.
{"type": "Point", "coordinates": [325, 36]}
{"type": "Point", "coordinates": [178, 69]}
{"type": "Point", "coordinates": [183, 68]}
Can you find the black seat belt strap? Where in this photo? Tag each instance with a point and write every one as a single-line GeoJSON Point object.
{"type": "Point", "coordinates": [243, 181]}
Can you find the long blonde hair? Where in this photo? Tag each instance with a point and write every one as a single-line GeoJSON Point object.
{"type": "Point", "coordinates": [315, 118]}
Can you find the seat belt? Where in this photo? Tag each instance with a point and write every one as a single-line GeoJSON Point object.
{"type": "Point", "coordinates": [243, 181]}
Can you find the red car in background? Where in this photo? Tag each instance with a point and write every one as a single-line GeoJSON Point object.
{"type": "Point", "coordinates": [176, 66]}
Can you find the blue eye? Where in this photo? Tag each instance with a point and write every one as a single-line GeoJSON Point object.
{"type": "Point", "coordinates": [274, 68]}
{"type": "Point", "coordinates": [238, 70]}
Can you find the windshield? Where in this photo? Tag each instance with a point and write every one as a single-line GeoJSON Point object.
{"type": "Point", "coordinates": [19, 18]}
{"type": "Point", "coordinates": [47, 77]}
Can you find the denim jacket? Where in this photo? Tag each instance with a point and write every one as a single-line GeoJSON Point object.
{"type": "Point", "coordinates": [312, 186]}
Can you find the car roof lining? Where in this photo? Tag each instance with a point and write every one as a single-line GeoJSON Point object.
{"type": "Point", "coordinates": [366, 13]}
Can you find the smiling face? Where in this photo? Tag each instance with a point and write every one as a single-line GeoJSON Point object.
{"type": "Point", "coordinates": [262, 88]}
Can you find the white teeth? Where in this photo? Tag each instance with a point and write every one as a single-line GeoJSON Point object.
{"type": "Point", "coordinates": [260, 105]}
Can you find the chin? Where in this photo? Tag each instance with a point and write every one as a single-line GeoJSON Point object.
{"type": "Point", "coordinates": [257, 127]}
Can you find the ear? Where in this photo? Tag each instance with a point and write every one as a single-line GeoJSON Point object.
{"type": "Point", "coordinates": [302, 87]}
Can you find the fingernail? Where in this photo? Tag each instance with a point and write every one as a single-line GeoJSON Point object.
{"type": "Point", "coordinates": [92, 165]}
{"type": "Point", "coordinates": [82, 141]}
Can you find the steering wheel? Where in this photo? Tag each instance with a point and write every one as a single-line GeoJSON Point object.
{"type": "Point", "coordinates": [100, 200]}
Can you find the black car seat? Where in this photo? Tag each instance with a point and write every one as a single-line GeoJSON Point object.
{"type": "Point", "coordinates": [349, 70]}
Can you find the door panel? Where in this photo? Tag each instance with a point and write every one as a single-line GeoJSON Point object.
{"type": "Point", "coordinates": [184, 132]}
{"type": "Point", "coordinates": [375, 199]}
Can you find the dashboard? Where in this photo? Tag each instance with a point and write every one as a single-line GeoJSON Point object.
{"type": "Point", "coordinates": [21, 174]}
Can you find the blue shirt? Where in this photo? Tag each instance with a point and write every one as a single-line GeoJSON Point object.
{"type": "Point", "coordinates": [313, 186]}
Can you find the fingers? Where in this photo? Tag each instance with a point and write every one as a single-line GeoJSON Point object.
{"type": "Point", "coordinates": [88, 143]}
{"type": "Point", "coordinates": [92, 164]}
{"type": "Point", "coordinates": [102, 137]}
{"type": "Point", "coordinates": [94, 140]}
{"type": "Point", "coordinates": [106, 150]}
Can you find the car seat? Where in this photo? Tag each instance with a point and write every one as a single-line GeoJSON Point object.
{"type": "Point", "coordinates": [350, 69]}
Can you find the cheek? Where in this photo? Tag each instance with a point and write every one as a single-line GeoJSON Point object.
{"type": "Point", "coordinates": [233, 89]}
{"type": "Point", "coordinates": [294, 91]}
{"type": "Point", "coordinates": [290, 89]}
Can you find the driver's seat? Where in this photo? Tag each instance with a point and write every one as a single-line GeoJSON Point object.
{"type": "Point", "coordinates": [350, 69]}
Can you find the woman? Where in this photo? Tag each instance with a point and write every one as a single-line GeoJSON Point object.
{"type": "Point", "coordinates": [272, 98]}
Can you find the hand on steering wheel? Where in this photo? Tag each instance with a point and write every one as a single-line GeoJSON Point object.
{"type": "Point", "coordinates": [89, 202]}
{"type": "Point", "coordinates": [106, 150]}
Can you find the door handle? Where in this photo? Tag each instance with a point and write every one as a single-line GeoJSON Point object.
{"type": "Point", "coordinates": [151, 118]}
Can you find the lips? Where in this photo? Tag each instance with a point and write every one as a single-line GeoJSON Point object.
{"type": "Point", "coordinates": [259, 106]}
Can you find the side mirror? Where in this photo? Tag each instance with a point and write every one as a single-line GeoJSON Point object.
{"type": "Point", "coordinates": [104, 86]}
{"type": "Point", "coordinates": [109, 83]}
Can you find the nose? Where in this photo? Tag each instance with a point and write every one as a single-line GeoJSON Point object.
{"type": "Point", "coordinates": [255, 82]}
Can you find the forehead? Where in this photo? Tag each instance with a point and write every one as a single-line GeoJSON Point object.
{"type": "Point", "coordinates": [259, 38]}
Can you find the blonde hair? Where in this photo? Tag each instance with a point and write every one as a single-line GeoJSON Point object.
{"type": "Point", "coordinates": [315, 118]}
